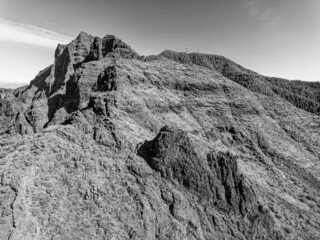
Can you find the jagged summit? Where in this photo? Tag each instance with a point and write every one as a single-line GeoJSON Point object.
{"type": "Point", "coordinates": [100, 47]}
{"type": "Point", "coordinates": [57, 86]}
{"type": "Point", "coordinates": [107, 144]}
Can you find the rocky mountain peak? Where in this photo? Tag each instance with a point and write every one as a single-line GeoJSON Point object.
{"type": "Point", "coordinates": [84, 35]}
{"type": "Point", "coordinates": [111, 44]}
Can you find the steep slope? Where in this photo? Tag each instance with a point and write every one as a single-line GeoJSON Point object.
{"type": "Point", "coordinates": [304, 95]}
{"type": "Point", "coordinates": [105, 144]}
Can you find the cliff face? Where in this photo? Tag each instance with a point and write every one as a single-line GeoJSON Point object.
{"type": "Point", "coordinates": [106, 144]}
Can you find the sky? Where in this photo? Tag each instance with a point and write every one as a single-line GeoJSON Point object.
{"type": "Point", "coordinates": [278, 38]}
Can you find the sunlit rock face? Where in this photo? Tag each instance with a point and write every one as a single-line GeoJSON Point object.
{"type": "Point", "coordinates": [107, 144]}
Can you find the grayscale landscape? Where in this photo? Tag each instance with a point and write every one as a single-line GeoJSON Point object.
{"type": "Point", "coordinates": [108, 144]}
{"type": "Point", "coordinates": [159, 120]}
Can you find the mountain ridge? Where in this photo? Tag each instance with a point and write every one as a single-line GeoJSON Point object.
{"type": "Point", "coordinates": [303, 94]}
{"type": "Point", "coordinates": [271, 86]}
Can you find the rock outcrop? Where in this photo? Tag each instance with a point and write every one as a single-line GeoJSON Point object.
{"type": "Point", "coordinates": [107, 144]}
{"type": "Point", "coordinates": [214, 180]}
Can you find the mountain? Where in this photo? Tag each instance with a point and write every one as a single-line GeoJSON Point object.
{"type": "Point", "coordinates": [304, 95]}
{"type": "Point", "coordinates": [108, 144]}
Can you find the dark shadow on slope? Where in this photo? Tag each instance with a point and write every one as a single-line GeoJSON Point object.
{"type": "Point", "coordinates": [40, 82]}
{"type": "Point", "coordinates": [61, 68]}
{"type": "Point", "coordinates": [69, 101]}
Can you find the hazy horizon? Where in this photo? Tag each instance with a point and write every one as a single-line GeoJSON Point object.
{"type": "Point", "coordinates": [276, 38]}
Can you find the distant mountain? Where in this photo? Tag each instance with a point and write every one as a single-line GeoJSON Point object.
{"type": "Point", "coordinates": [107, 144]}
{"type": "Point", "coordinates": [11, 85]}
{"type": "Point", "coordinates": [304, 95]}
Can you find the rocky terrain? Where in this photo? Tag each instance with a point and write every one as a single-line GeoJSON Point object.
{"type": "Point", "coordinates": [108, 144]}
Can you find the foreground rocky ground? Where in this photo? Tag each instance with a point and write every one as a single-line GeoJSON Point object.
{"type": "Point", "coordinates": [107, 144]}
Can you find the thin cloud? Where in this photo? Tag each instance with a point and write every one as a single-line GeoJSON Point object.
{"type": "Point", "coordinates": [267, 16]}
{"type": "Point", "coordinates": [29, 34]}
{"type": "Point", "coordinates": [252, 7]}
